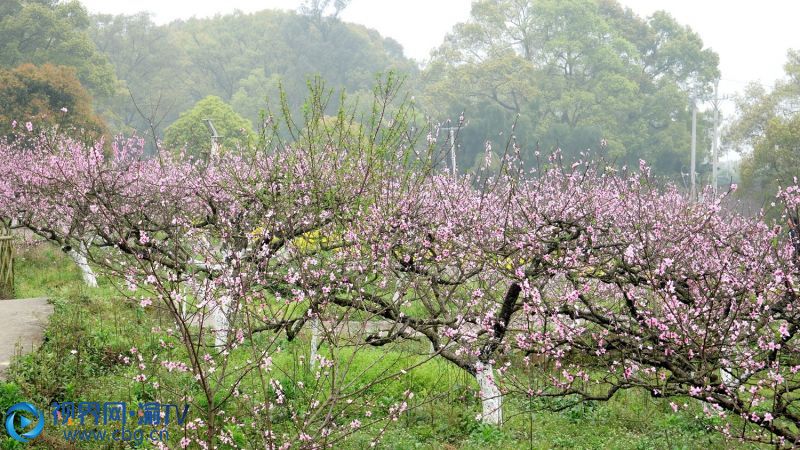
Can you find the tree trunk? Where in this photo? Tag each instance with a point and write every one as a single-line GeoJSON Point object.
{"type": "Point", "coordinates": [221, 324]}
{"type": "Point", "coordinates": [491, 398]}
{"type": "Point", "coordinates": [727, 377]}
{"type": "Point", "coordinates": [80, 260]}
{"type": "Point", "coordinates": [312, 362]}
{"type": "Point", "coordinates": [182, 304]}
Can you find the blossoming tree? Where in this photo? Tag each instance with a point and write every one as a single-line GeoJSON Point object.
{"type": "Point", "coordinates": [545, 280]}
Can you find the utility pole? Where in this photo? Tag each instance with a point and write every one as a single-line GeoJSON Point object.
{"type": "Point", "coordinates": [214, 137]}
{"type": "Point", "coordinates": [694, 150]}
{"type": "Point", "coordinates": [453, 151]}
{"type": "Point", "coordinates": [452, 131]}
{"type": "Point", "coordinates": [715, 142]}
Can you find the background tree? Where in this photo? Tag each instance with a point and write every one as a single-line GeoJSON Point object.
{"type": "Point", "coordinates": [767, 128]}
{"type": "Point", "coordinates": [151, 69]}
{"type": "Point", "coordinates": [571, 73]}
{"type": "Point", "coordinates": [319, 8]}
{"type": "Point", "coordinates": [244, 59]}
{"type": "Point", "coordinates": [190, 132]}
{"type": "Point", "coordinates": [48, 97]}
{"type": "Point", "coordinates": [51, 31]}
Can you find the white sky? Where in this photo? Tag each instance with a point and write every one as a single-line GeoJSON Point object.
{"type": "Point", "coordinates": [751, 37]}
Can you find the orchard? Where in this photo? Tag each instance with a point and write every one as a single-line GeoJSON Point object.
{"type": "Point", "coordinates": [544, 280]}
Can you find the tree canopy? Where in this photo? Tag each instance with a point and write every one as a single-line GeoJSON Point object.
{"type": "Point", "coordinates": [54, 32]}
{"type": "Point", "coordinates": [570, 74]}
{"type": "Point", "coordinates": [768, 128]}
{"type": "Point", "coordinates": [244, 59]}
{"type": "Point", "coordinates": [189, 131]}
{"type": "Point", "coordinates": [48, 97]}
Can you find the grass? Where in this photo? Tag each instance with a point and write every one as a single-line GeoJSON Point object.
{"type": "Point", "coordinates": [43, 271]}
{"type": "Point", "coordinates": [91, 328]}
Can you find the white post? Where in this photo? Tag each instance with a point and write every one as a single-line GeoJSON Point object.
{"type": "Point", "coordinates": [314, 342]}
{"type": "Point", "coordinates": [694, 150]}
{"type": "Point", "coordinates": [453, 151]}
{"type": "Point", "coordinates": [491, 398]}
{"type": "Point", "coordinates": [221, 324]}
{"type": "Point", "coordinates": [727, 377]}
{"type": "Point", "coordinates": [80, 260]}
{"type": "Point", "coordinates": [715, 142]}
{"type": "Point", "coordinates": [183, 304]}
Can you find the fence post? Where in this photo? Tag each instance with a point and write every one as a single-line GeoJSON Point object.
{"type": "Point", "coordinates": [6, 263]}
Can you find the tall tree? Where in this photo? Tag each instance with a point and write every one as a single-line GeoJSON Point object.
{"type": "Point", "coordinates": [322, 8]}
{"type": "Point", "coordinates": [571, 73]}
{"type": "Point", "coordinates": [153, 85]}
{"type": "Point", "coordinates": [54, 32]}
{"type": "Point", "coordinates": [768, 130]}
{"type": "Point", "coordinates": [190, 130]}
{"type": "Point", "coordinates": [245, 59]}
{"type": "Point", "coordinates": [47, 97]}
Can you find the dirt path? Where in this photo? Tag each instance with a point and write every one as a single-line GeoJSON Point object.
{"type": "Point", "coordinates": [22, 324]}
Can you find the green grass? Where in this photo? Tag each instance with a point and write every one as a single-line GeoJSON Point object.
{"type": "Point", "coordinates": [90, 328]}
{"type": "Point", "coordinates": [43, 270]}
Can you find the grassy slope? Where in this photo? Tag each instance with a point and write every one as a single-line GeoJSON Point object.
{"type": "Point", "coordinates": [90, 328]}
